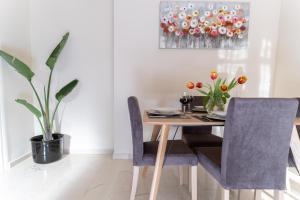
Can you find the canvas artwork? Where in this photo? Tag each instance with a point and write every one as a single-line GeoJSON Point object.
{"type": "Point", "coordinates": [198, 25]}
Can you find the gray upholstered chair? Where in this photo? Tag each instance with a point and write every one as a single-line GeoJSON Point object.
{"type": "Point", "coordinates": [255, 147]}
{"type": "Point", "coordinates": [195, 136]}
{"type": "Point", "coordinates": [292, 171]}
{"type": "Point", "coordinates": [144, 153]}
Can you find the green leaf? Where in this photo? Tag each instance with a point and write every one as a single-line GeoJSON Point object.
{"type": "Point", "coordinates": [231, 84]}
{"type": "Point", "coordinates": [227, 95]}
{"type": "Point", "coordinates": [18, 65]}
{"type": "Point", "coordinates": [62, 93]}
{"type": "Point", "coordinates": [30, 107]}
{"type": "Point", "coordinates": [202, 92]}
{"type": "Point", "coordinates": [56, 52]}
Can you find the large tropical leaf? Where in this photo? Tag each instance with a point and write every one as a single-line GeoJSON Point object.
{"type": "Point", "coordinates": [30, 107]}
{"type": "Point", "coordinates": [62, 93]}
{"type": "Point", "coordinates": [55, 53]}
{"type": "Point", "coordinates": [18, 65]}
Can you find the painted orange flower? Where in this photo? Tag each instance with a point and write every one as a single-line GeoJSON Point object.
{"type": "Point", "coordinates": [224, 88]}
{"type": "Point", "coordinates": [190, 85]}
{"type": "Point", "coordinates": [199, 85]}
{"type": "Point", "coordinates": [213, 75]}
{"type": "Point", "coordinates": [242, 79]}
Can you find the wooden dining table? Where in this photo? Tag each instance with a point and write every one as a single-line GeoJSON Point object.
{"type": "Point", "coordinates": [163, 125]}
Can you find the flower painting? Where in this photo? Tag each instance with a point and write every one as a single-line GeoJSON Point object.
{"type": "Point", "coordinates": [197, 25]}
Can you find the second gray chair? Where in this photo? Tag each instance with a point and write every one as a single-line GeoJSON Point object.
{"type": "Point", "coordinates": [255, 146]}
{"type": "Point", "coordinates": [144, 153]}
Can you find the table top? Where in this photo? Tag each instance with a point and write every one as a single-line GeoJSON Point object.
{"type": "Point", "coordinates": [189, 121]}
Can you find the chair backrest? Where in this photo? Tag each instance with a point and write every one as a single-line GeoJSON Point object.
{"type": "Point", "coordinates": [136, 129]}
{"type": "Point", "coordinates": [256, 143]}
{"type": "Point", "coordinates": [298, 115]}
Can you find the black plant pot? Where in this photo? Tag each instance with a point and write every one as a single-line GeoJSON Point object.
{"type": "Point", "coordinates": [44, 152]}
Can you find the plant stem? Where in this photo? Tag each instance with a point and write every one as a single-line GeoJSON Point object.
{"type": "Point", "coordinates": [48, 93]}
{"type": "Point", "coordinates": [54, 113]}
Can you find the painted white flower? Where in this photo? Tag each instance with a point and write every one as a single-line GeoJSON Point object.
{"type": "Point", "coordinates": [196, 13]}
{"type": "Point", "coordinates": [194, 23]}
{"type": "Point", "coordinates": [211, 6]}
{"type": "Point", "coordinates": [170, 14]}
{"type": "Point", "coordinates": [182, 15]}
{"type": "Point", "coordinates": [229, 34]}
{"type": "Point", "coordinates": [233, 12]}
{"type": "Point", "coordinates": [164, 19]}
{"type": "Point", "coordinates": [206, 23]}
{"type": "Point", "coordinates": [237, 6]}
{"type": "Point", "coordinates": [202, 19]}
{"type": "Point", "coordinates": [177, 33]}
{"type": "Point", "coordinates": [214, 26]}
{"type": "Point", "coordinates": [171, 29]}
{"type": "Point", "coordinates": [185, 25]}
{"type": "Point", "coordinates": [238, 24]}
{"type": "Point", "coordinates": [227, 17]}
{"type": "Point", "coordinates": [225, 7]}
{"type": "Point", "coordinates": [215, 12]}
{"type": "Point", "coordinates": [191, 6]}
{"type": "Point", "coordinates": [222, 30]}
{"type": "Point", "coordinates": [207, 13]}
{"type": "Point", "coordinates": [183, 8]}
{"type": "Point", "coordinates": [202, 30]}
{"type": "Point", "coordinates": [240, 36]}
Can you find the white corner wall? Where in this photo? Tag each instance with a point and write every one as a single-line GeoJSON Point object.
{"type": "Point", "coordinates": [88, 56]}
{"type": "Point", "coordinates": [157, 76]}
{"type": "Point", "coordinates": [17, 122]}
{"type": "Point", "coordinates": [288, 54]}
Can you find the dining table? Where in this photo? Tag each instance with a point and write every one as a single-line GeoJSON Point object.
{"type": "Point", "coordinates": [162, 125]}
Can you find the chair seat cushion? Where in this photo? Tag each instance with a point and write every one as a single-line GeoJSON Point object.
{"type": "Point", "coordinates": [177, 153]}
{"type": "Point", "coordinates": [210, 159]}
{"type": "Point", "coordinates": [202, 140]}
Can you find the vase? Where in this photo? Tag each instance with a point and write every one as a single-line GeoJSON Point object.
{"type": "Point", "coordinates": [214, 105]}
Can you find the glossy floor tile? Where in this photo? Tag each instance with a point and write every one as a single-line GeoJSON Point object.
{"type": "Point", "coordinates": [94, 177]}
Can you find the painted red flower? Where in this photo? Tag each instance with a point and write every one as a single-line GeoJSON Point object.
{"type": "Point", "coordinates": [190, 85]}
{"type": "Point", "coordinates": [199, 85]}
{"type": "Point", "coordinates": [213, 75]}
{"type": "Point", "coordinates": [242, 79]}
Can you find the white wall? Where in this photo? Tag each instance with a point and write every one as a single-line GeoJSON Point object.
{"type": "Point", "coordinates": [88, 56]}
{"type": "Point", "coordinates": [157, 76]}
{"type": "Point", "coordinates": [17, 123]}
{"type": "Point", "coordinates": [288, 56]}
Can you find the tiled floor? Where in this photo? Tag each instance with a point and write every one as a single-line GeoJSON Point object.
{"type": "Point", "coordinates": [94, 177]}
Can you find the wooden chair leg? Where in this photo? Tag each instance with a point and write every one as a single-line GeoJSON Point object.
{"type": "Point", "coordinates": [135, 179]}
{"type": "Point", "coordinates": [190, 179]}
{"type": "Point", "coordinates": [225, 194]}
{"type": "Point", "coordinates": [288, 183]}
{"type": "Point", "coordinates": [194, 182]}
{"type": "Point", "coordinates": [278, 195]}
{"type": "Point", "coordinates": [181, 175]}
{"type": "Point", "coordinates": [257, 194]}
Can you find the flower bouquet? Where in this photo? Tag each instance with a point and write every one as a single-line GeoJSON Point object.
{"type": "Point", "coordinates": [216, 95]}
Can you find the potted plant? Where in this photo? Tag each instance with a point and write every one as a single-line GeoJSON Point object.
{"type": "Point", "coordinates": [47, 147]}
{"type": "Point", "coordinates": [216, 95]}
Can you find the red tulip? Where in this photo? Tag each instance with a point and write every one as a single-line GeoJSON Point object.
{"type": "Point", "coordinates": [199, 85]}
{"type": "Point", "coordinates": [213, 75]}
{"type": "Point", "coordinates": [242, 79]}
{"type": "Point", "coordinates": [190, 85]}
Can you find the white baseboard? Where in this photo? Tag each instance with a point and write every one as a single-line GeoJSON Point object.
{"type": "Point", "coordinates": [18, 160]}
{"type": "Point", "coordinates": [91, 151]}
{"type": "Point", "coordinates": [122, 156]}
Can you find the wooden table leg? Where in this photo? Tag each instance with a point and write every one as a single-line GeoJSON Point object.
{"type": "Point", "coordinates": [159, 161]}
{"type": "Point", "coordinates": [155, 133]}
{"type": "Point", "coordinates": [295, 147]}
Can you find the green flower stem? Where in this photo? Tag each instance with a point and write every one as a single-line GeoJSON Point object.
{"type": "Point", "coordinates": [54, 113]}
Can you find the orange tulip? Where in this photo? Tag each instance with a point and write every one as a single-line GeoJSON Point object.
{"type": "Point", "coordinates": [213, 75]}
{"type": "Point", "coordinates": [190, 85]}
{"type": "Point", "coordinates": [224, 88]}
{"type": "Point", "coordinates": [242, 79]}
